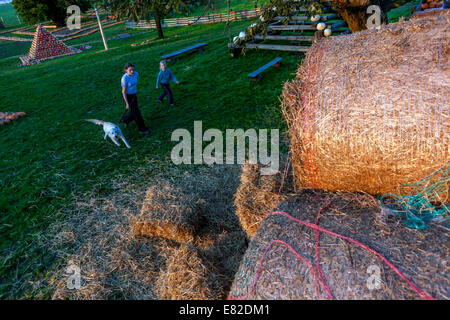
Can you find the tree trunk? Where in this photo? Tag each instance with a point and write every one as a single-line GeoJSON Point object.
{"type": "Point", "coordinates": [159, 26]}
{"type": "Point", "coordinates": [355, 17]}
{"type": "Point", "coordinates": [354, 11]}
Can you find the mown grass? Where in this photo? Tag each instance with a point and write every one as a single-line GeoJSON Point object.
{"type": "Point", "coordinates": [52, 155]}
{"type": "Point", "coordinates": [9, 14]}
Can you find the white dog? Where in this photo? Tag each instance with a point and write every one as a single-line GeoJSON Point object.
{"type": "Point", "coordinates": [111, 130]}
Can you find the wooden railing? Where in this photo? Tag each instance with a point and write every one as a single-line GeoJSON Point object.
{"type": "Point", "coordinates": [210, 18]}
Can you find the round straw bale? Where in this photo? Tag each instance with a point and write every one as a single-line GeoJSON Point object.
{"type": "Point", "coordinates": [370, 111]}
{"type": "Point", "coordinates": [272, 267]}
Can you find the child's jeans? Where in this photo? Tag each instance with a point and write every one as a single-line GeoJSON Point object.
{"type": "Point", "coordinates": [166, 90]}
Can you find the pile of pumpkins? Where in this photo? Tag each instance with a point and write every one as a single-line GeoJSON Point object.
{"type": "Point", "coordinates": [430, 4]}
{"type": "Point", "coordinates": [7, 117]}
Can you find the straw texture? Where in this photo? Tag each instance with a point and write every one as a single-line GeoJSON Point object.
{"type": "Point", "coordinates": [370, 111]}
{"type": "Point", "coordinates": [421, 256]}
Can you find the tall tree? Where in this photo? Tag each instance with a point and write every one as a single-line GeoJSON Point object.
{"type": "Point", "coordinates": [34, 11]}
{"type": "Point", "coordinates": [144, 9]}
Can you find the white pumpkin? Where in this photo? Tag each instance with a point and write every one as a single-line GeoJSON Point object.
{"type": "Point", "coordinates": [235, 39]}
{"type": "Point", "coordinates": [327, 32]}
{"type": "Point", "coordinates": [321, 26]}
{"type": "Point", "coordinates": [242, 34]}
{"type": "Point", "coordinates": [261, 18]}
{"type": "Point", "coordinates": [315, 18]}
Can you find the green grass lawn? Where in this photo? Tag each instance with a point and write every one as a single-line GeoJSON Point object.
{"type": "Point", "coordinates": [403, 11]}
{"type": "Point", "coordinates": [9, 14]}
{"type": "Point", "coordinates": [52, 155]}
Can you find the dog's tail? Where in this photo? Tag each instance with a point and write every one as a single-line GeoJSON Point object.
{"type": "Point", "coordinates": [99, 122]}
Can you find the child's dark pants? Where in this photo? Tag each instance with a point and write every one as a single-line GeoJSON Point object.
{"type": "Point", "coordinates": [135, 113]}
{"type": "Point", "coordinates": [166, 90]}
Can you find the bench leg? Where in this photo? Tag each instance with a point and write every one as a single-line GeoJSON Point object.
{"type": "Point", "coordinates": [257, 78]}
{"type": "Point", "coordinates": [235, 52]}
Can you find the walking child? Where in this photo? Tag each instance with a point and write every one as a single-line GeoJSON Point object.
{"type": "Point", "coordinates": [129, 90]}
{"type": "Point", "coordinates": [164, 78]}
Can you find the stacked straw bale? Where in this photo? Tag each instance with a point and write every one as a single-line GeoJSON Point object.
{"type": "Point", "coordinates": [193, 273]}
{"type": "Point", "coordinates": [169, 212]}
{"type": "Point", "coordinates": [370, 111]}
{"type": "Point", "coordinates": [258, 195]}
{"type": "Point", "coordinates": [349, 270]}
{"type": "Point", "coordinates": [188, 276]}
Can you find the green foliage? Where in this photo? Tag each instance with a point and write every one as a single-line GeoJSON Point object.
{"type": "Point", "coordinates": [34, 11]}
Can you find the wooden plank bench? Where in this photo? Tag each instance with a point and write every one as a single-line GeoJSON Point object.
{"type": "Point", "coordinates": [256, 75]}
{"type": "Point", "coordinates": [195, 48]}
{"type": "Point", "coordinates": [303, 27]}
{"type": "Point", "coordinates": [277, 47]}
{"type": "Point", "coordinates": [289, 38]}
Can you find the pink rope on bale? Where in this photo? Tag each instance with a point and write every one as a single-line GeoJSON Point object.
{"type": "Point", "coordinates": [319, 269]}
{"type": "Point", "coordinates": [419, 291]}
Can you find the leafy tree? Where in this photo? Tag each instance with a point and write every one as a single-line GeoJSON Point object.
{"type": "Point", "coordinates": [140, 9]}
{"type": "Point", "coordinates": [34, 11]}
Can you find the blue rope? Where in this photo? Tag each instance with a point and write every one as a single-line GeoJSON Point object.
{"type": "Point", "coordinates": [423, 203]}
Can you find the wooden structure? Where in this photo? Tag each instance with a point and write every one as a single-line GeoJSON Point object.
{"type": "Point", "coordinates": [256, 75]}
{"type": "Point", "coordinates": [194, 48]}
{"type": "Point", "coordinates": [185, 21]}
{"type": "Point", "coordinates": [295, 33]}
{"type": "Point", "coordinates": [46, 46]}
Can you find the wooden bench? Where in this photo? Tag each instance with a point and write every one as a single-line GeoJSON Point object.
{"type": "Point", "coordinates": [195, 48]}
{"type": "Point", "coordinates": [256, 75]}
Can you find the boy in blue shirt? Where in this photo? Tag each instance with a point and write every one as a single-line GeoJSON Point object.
{"type": "Point", "coordinates": [164, 78]}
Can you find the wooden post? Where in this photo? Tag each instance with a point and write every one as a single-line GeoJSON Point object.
{"type": "Point", "coordinates": [101, 29]}
{"type": "Point", "coordinates": [3, 22]}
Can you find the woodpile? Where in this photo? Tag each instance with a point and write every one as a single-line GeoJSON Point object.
{"type": "Point", "coordinates": [7, 117]}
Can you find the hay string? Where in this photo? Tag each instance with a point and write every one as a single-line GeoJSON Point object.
{"type": "Point", "coordinates": [319, 278]}
{"type": "Point", "coordinates": [417, 208]}
{"type": "Point", "coordinates": [416, 289]}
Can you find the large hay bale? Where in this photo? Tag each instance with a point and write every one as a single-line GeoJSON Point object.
{"type": "Point", "coordinates": [169, 212]}
{"type": "Point", "coordinates": [370, 111]}
{"type": "Point", "coordinates": [271, 270]}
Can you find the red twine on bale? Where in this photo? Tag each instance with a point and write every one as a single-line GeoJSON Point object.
{"type": "Point", "coordinates": [416, 289]}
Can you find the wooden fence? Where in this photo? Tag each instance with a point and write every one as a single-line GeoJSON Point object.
{"type": "Point", "coordinates": [210, 18]}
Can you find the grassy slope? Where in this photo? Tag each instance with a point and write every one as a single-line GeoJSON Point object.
{"type": "Point", "coordinates": [52, 154]}
{"type": "Point", "coordinates": [9, 14]}
{"type": "Point", "coordinates": [403, 11]}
